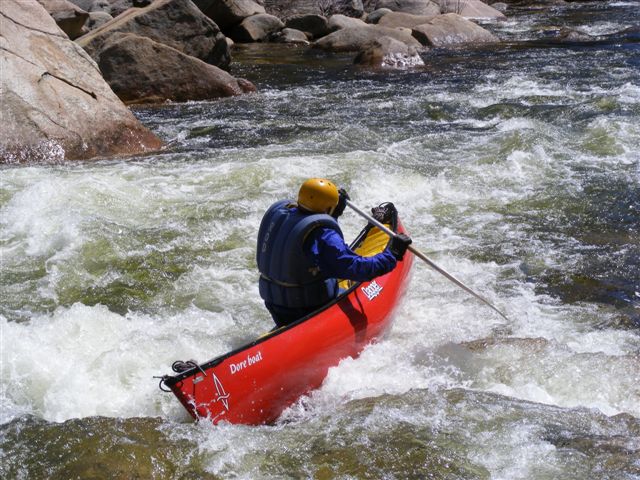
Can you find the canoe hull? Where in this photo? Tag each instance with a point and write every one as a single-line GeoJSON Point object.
{"type": "Point", "coordinates": [254, 384]}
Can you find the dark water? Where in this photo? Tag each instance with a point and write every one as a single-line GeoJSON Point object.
{"type": "Point", "coordinates": [517, 168]}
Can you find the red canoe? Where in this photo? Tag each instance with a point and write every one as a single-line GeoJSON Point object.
{"type": "Point", "coordinates": [255, 383]}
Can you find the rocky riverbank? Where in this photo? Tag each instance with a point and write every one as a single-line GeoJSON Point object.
{"type": "Point", "coordinates": [62, 106]}
{"type": "Point", "coordinates": [55, 103]}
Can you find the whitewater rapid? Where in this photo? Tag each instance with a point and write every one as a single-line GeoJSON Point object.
{"type": "Point", "coordinates": [518, 171]}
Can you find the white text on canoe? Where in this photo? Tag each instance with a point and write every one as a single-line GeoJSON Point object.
{"type": "Point", "coordinates": [372, 290]}
{"type": "Point", "coordinates": [250, 360]}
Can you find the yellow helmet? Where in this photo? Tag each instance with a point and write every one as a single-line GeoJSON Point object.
{"type": "Point", "coordinates": [318, 195]}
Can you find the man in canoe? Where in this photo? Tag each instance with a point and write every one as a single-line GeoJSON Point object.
{"type": "Point", "coordinates": [302, 253]}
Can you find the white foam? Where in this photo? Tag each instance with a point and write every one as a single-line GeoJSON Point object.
{"type": "Point", "coordinates": [515, 454]}
{"type": "Point", "coordinates": [90, 361]}
{"type": "Point", "coordinates": [86, 361]}
{"type": "Point", "coordinates": [603, 28]}
{"type": "Point", "coordinates": [41, 217]}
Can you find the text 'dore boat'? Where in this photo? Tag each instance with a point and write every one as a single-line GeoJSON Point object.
{"type": "Point", "coordinates": [255, 383]}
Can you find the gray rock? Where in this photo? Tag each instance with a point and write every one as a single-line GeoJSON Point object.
{"type": "Point", "coordinates": [338, 22]}
{"type": "Point", "coordinates": [290, 35]}
{"type": "Point", "coordinates": [176, 23]}
{"type": "Point", "coordinates": [69, 17]}
{"type": "Point", "coordinates": [55, 104]}
{"type": "Point", "coordinates": [256, 28]}
{"type": "Point", "coordinates": [83, 4]}
{"type": "Point", "coordinates": [500, 6]}
{"type": "Point", "coordinates": [570, 36]}
{"type": "Point", "coordinates": [375, 16]}
{"type": "Point", "coordinates": [472, 9]}
{"type": "Point", "coordinates": [288, 8]}
{"type": "Point", "coordinates": [118, 7]}
{"type": "Point", "coordinates": [452, 30]}
{"type": "Point", "coordinates": [574, 36]}
{"type": "Point", "coordinates": [387, 52]}
{"type": "Point", "coordinates": [350, 8]}
{"type": "Point", "coordinates": [353, 8]}
{"type": "Point", "coordinates": [100, 6]}
{"type": "Point", "coordinates": [401, 19]}
{"type": "Point", "coordinates": [229, 13]}
{"type": "Point", "coordinates": [140, 70]}
{"type": "Point", "coordinates": [355, 39]}
{"type": "Point", "coordinates": [97, 19]}
{"type": "Point", "coordinates": [415, 7]}
{"type": "Point", "coordinates": [315, 26]}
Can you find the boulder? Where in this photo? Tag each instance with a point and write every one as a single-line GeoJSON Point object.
{"type": "Point", "coordinates": [100, 6]}
{"type": "Point", "coordinates": [256, 28]}
{"type": "Point", "coordinates": [97, 19]}
{"type": "Point", "coordinates": [415, 7]}
{"type": "Point", "coordinates": [287, 8]}
{"type": "Point", "coordinates": [405, 20]}
{"type": "Point", "coordinates": [69, 17]}
{"type": "Point", "coordinates": [315, 26]}
{"type": "Point", "coordinates": [569, 35]}
{"type": "Point", "coordinates": [376, 15]}
{"type": "Point", "coordinates": [83, 4]}
{"type": "Point", "coordinates": [500, 6]}
{"type": "Point", "coordinates": [338, 22]}
{"type": "Point", "coordinates": [355, 39]}
{"type": "Point", "coordinates": [350, 8]}
{"type": "Point", "coordinates": [55, 104]}
{"type": "Point", "coordinates": [93, 5]}
{"type": "Point", "coordinates": [473, 9]}
{"type": "Point", "coordinates": [118, 7]}
{"type": "Point", "coordinates": [140, 70]}
{"type": "Point", "coordinates": [387, 52]}
{"type": "Point", "coordinates": [452, 30]}
{"type": "Point", "coordinates": [229, 13]}
{"type": "Point", "coordinates": [290, 35]}
{"type": "Point", "coordinates": [176, 23]}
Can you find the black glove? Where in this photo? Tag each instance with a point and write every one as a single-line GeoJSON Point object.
{"type": "Point", "coordinates": [343, 196]}
{"type": "Point", "coordinates": [399, 245]}
{"type": "Point", "coordinates": [384, 212]}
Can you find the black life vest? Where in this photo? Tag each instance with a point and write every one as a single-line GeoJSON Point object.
{"type": "Point", "coordinates": [288, 277]}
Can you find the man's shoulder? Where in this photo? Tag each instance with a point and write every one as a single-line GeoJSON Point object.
{"type": "Point", "coordinates": [329, 235]}
{"type": "Point", "coordinates": [324, 234]}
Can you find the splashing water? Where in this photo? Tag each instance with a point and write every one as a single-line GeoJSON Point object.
{"type": "Point", "coordinates": [516, 169]}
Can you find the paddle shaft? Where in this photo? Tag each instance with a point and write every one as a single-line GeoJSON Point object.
{"type": "Point", "coordinates": [424, 258]}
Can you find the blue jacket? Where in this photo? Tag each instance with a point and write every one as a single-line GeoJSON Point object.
{"type": "Point", "coordinates": [301, 255]}
{"type": "Point", "coordinates": [335, 259]}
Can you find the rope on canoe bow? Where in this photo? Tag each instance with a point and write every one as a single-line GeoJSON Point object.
{"type": "Point", "coordinates": [179, 366]}
{"type": "Point", "coordinates": [161, 385]}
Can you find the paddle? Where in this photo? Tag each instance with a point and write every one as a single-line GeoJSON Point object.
{"type": "Point", "coordinates": [423, 257]}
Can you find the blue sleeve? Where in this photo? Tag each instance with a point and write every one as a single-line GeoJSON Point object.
{"type": "Point", "coordinates": [336, 260]}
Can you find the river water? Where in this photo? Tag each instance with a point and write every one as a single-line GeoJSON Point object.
{"type": "Point", "coordinates": [516, 168]}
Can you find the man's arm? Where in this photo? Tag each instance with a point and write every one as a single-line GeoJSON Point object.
{"type": "Point", "coordinates": [337, 260]}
